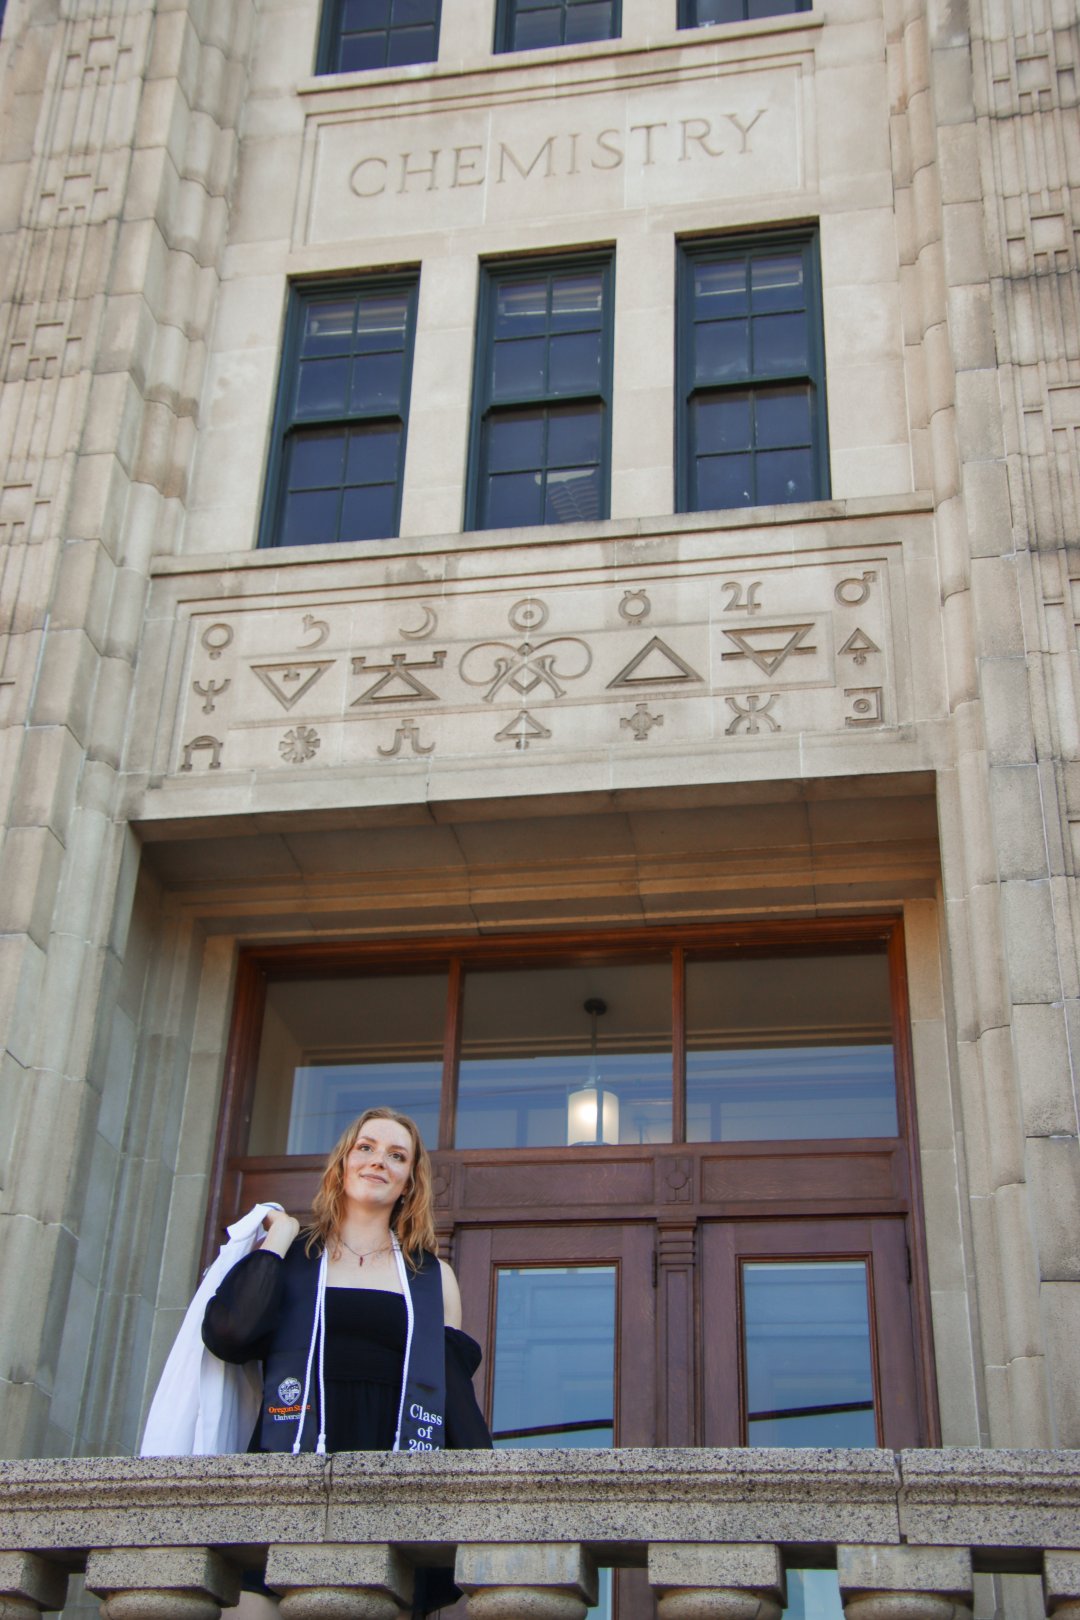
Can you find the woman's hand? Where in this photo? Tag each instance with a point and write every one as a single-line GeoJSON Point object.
{"type": "Point", "coordinates": [281, 1229]}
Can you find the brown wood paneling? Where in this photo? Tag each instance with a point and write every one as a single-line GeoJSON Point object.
{"type": "Point", "coordinates": [791, 1177]}
{"type": "Point", "coordinates": [581, 1185]}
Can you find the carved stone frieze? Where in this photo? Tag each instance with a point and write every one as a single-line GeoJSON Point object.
{"type": "Point", "coordinates": [733, 657]}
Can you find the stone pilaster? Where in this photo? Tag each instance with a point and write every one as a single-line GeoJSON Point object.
{"type": "Point", "coordinates": [905, 1583]}
{"type": "Point", "coordinates": [736, 1581]}
{"type": "Point", "coordinates": [162, 1583]}
{"type": "Point", "coordinates": [527, 1581]}
{"type": "Point", "coordinates": [29, 1585]}
{"type": "Point", "coordinates": [340, 1582]}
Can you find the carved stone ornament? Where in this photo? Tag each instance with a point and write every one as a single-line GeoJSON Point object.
{"type": "Point", "coordinates": [495, 664]}
{"type": "Point", "coordinates": [522, 730]}
{"type": "Point", "coordinates": [769, 645]}
{"type": "Point", "coordinates": [299, 745]}
{"type": "Point", "coordinates": [289, 682]}
{"type": "Point", "coordinates": [216, 637]}
{"type": "Point", "coordinates": [641, 722]}
{"type": "Point", "coordinates": [656, 664]}
{"type": "Point", "coordinates": [749, 711]}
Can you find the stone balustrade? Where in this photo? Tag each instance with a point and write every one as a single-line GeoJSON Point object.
{"type": "Point", "coordinates": [340, 1537]}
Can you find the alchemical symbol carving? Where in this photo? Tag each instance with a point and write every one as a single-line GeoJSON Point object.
{"type": "Point", "coordinates": [209, 690]}
{"type": "Point", "coordinates": [299, 745]}
{"type": "Point", "coordinates": [677, 1176]}
{"type": "Point", "coordinates": [526, 667]}
{"type": "Point", "coordinates": [634, 607]}
{"type": "Point", "coordinates": [655, 665]}
{"type": "Point", "coordinates": [317, 627]}
{"type": "Point", "coordinates": [407, 732]}
{"type": "Point", "coordinates": [428, 627]}
{"type": "Point", "coordinates": [522, 730]}
{"type": "Point", "coordinates": [196, 745]}
{"type": "Point", "coordinates": [754, 708]}
{"type": "Point", "coordinates": [769, 658]}
{"type": "Point", "coordinates": [216, 637]}
{"type": "Point", "coordinates": [866, 703]}
{"type": "Point", "coordinates": [528, 614]}
{"type": "Point", "coordinates": [858, 644]}
{"type": "Point", "coordinates": [397, 673]}
{"type": "Point", "coordinates": [641, 722]}
{"type": "Point", "coordinates": [854, 592]}
{"type": "Point", "coordinates": [742, 599]}
{"type": "Point", "coordinates": [289, 682]}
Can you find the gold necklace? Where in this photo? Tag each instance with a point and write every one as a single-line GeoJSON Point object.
{"type": "Point", "coordinates": [369, 1254]}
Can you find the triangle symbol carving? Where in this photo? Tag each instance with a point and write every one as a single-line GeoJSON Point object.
{"type": "Point", "coordinates": [655, 665]}
{"type": "Point", "coordinates": [860, 644]}
{"type": "Point", "coordinates": [768, 658]}
{"type": "Point", "coordinates": [289, 682]}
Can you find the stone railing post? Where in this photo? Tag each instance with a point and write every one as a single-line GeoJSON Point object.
{"type": "Point", "coordinates": [905, 1583]}
{"type": "Point", "coordinates": [717, 1581]}
{"type": "Point", "coordinates": [339, 1582]}
{"type": "Point", "coordinates": [162, 1583]}
{"type": "Point", "coordinates": [526, 1581]}
{"type": "Point", "coordinates": [1061, 1584]}
{"type": "Point", "coordinates": [29, 1585]}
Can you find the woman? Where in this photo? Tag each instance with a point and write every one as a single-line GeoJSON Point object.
{"type": "Point", "coordinates": [356, 1322]}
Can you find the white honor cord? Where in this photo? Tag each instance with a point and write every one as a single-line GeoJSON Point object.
{"type": "Point", "coordinates": [318, 1331]}
{"type": "Point", "coordinates": [403, 1274]}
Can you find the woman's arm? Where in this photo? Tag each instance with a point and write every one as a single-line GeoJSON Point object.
{"type": "Point", "coordinates": [451, 1297]}
{"type": "Point", "coordinates": [241, 1316]}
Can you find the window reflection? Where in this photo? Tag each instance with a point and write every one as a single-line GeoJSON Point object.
{"type": "Point", "coordinates": [332, 1048]}
{"type": "Point", "coordinates": [554, 1363]}
{"type": "Point", "coordinates": [526, 1047]}
{"type": "Point", "coordinates": [813, 1594]}
{"type": "Point", "coordinates": [809, 1377]}
{"type": "Point", "coordinates": [789, 1048]}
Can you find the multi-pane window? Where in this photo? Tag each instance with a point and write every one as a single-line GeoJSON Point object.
{"type": "Point", "coordinates": [751, 390]}
{"type": "Point", "coordinates": [363, 34]}
{"type": "Point", "coordinates": [528, 25]}
{"type": "Point", "coordinates": [542, 432]}
{"type": "Point", "coordinates": [342, 412]}
{"type": "Point", "coordinates": [699, 13]}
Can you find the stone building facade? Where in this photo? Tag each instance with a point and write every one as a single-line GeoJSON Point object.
{"type": "Point", "coordinates": [838, 708]}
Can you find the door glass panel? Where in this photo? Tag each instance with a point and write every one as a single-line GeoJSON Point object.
{"type": "Point", "coordinates": [809, 1376]}
{"type": "Point", "coordinates": [789, 1048]}
{"type": "Point", "coordinates": [527, 1056]}
{"type": "Point", "coordinates": [554, 1363]}
{"type": "Point", "coordinates": [333, 1047]}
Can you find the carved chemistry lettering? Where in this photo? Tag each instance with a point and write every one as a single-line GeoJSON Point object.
{"type": "Point", "coordinates": [513, 161]}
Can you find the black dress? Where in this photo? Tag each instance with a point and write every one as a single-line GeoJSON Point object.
{"type": "Point", "coordinates": [363, 1364]}
{"type": "Point", "coordinates": [364, 1357]}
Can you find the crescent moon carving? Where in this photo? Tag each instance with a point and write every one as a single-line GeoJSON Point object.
{"type": "Point", "coordinates": [426, 629]}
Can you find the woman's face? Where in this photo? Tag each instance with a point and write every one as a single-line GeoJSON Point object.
{"type": "Point", "coordinates": [379, 1166]}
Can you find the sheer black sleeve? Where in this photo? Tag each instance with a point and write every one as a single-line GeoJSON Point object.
{"type": "Point", "coordinates": [465, 1426]}
{"type": "Point", "coordinates": [241, 1316]}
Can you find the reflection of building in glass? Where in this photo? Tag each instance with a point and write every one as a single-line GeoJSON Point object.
{"type": "Point", "coordinates": [517, 506]}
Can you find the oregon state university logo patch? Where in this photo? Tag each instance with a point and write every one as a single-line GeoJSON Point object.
{"type": "Point", "coordinates": [289, 1391]}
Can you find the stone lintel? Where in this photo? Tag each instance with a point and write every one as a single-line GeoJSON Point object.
{"type": "Point", "coordinates": [375, 1568]}
{"type": "Point", "coordinates": [564, 1565]}
{"type": "Point", "coordinates": [944, 1570]}
{"type": "Point", "coordinates": [33, 1580]}
{"type": "Point", "coordinates": [754, 1566]}
{"type": "Point", "coordinates": [199, 1570]}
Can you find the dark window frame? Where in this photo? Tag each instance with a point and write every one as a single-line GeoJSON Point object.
{"type": "Point", "coordinates": [688, 17]}
{"type": "Point", "coordinates": [330, 38]}
{"type": "Point", "coordinates": [301, 297]}
{"type": "Point", "coordinates": [506, 17]}
{"type": "Point", "coordinates": [485, 408]}
{"type": "Point", "coordinates": [692, 252]}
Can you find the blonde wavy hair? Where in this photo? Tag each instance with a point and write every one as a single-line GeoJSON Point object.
{"type": "Point", "coordinates": [412, 1219]}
